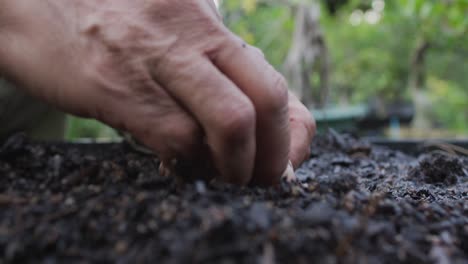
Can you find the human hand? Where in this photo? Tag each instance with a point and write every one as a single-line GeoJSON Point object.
{"type": "Point", "coordinates": [168, 72]}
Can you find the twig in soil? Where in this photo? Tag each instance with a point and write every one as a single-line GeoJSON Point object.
{"type": "Point", "coordinates": [47, 219]}
{"type": "Point", "coordinates": [59, 215]}
{"type": "Point", "coordinates": [134, 144]}
{"type": "Point", "coordinates": [448, 148]}
{"type": "Point", "coordinates": [8, 200]}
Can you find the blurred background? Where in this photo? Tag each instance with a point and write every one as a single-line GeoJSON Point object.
{"type": "Point", "coordinates": [396, 69]}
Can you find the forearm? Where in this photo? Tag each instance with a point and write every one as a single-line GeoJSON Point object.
{"type": "Point", "coordinates": [16, 20]}
{"type": "Point", "coordinates": [6, 28]}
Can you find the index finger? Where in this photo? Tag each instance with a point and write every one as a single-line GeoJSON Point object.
{"type": "Point", "coordinates": [268, 91]}
{"type": "Point", "coordinates": [226, 115]}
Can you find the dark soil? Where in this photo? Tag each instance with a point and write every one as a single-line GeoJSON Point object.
{"type": "Point", "coordinates": [355, 203]}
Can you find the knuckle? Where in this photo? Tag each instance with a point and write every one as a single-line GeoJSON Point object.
{"type": "Point", "coordinates": [311, 126]}
{"type": "Point", "coordinates": [181, 136]}
{"type": "Point", "coordinates": [222, 46]}
{"type": "Point", "coordinates": [276, 97]}
{"type": "Point", "coordinates": [237, 122]}
{"type": "Point", "coordinates": [226, 45]}
{"type": "Point", "coordinates": [189, 137]}
{"type": "Point", "coordinates": [174, 137]}
{"type": "Point", "coordinates": [212, 26]}
{"type": "Point", "coordinates": [308, 121]}
{"type": "Point", "coordinates": [303, 119]}
{"type": "Point", "coordinates": [258, 51]}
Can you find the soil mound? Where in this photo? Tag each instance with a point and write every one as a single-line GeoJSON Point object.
{"type": "Point", "coordinates": [354, 203]}
{"type": "Point", "coordinates": [439, 167]}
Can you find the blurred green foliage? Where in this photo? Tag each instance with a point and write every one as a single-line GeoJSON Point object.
{"type": "Point", "coordinates": [88, 128]}
{"type": "Point", "coordinates": [371, 44]}
{"type": "Point", "coordinates": [371, 47]}
{"type": "Point", "coordinates": [451, 103]}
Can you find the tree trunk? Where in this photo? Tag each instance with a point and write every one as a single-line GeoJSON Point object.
{"type": "Point", "coordinates": [416, 84]}
{"type": "Point", "coordinates": [308, 50]}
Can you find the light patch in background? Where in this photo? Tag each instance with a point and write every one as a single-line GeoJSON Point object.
{"type": "Point", "coordinates": [356, 17]}
{"type": "Point", "coordinates": [378, 5]}
{"type": "Point", "coordinates": [217, 3]}
{"type": "Point", "coordinates": [371, 16]}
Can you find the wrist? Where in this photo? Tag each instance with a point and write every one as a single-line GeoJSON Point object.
{"type": "Point", "coordinates": [10, 29]}
{"type": "Point", "coordinates": [30, 43]}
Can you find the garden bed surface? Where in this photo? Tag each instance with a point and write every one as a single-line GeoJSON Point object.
{"type": "Point", "coordinates": [355, 203]}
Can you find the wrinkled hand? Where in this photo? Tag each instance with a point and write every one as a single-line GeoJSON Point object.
{"type": "Point", "coordinates": [168, 72]}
